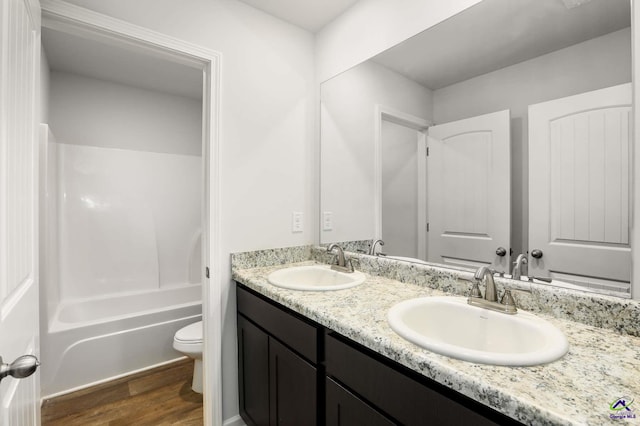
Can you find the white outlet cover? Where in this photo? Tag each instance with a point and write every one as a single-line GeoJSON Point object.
{"type": "Point", "coordinates": [297, 222]}
{"type": "Point", "coordinates": [327, 221]}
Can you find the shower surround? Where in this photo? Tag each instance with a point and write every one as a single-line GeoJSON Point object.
{"type": "Point", "coordinates": [120, 259]}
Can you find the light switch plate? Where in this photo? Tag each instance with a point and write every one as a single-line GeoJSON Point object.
{"type": "Point", "coordinates": [327, 221]}
{"type": "Point", "coordinates": [297, 222]}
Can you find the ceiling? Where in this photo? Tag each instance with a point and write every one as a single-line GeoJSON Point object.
{"type": "Point", "coordinates": [491, 35]}
{"type": "Point", "coordinates": [495, 34]}
{"type": "Point", "coordinates": [68, 53]}
{"type": "Point", "coordinates": [312, 15]}
{"type": "Point", "coordinates": [91, 58]}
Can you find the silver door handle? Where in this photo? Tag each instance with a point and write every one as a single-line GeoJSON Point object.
{"type": "Point", "coordinates": [22, 367]}
{"type": "Point", "coordinates": [501, 251]}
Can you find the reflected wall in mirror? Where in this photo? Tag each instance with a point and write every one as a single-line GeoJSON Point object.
{"type": "Point", "coordinates": [456, 91]}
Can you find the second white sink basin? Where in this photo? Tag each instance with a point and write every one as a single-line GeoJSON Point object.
{"type": "Point", "coordinates": [449, 326]}
{"type": "Point", "coordinates": [315, 278]}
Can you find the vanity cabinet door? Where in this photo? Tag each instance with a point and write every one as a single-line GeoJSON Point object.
{"type": "Point", "coordinates": [346, 409]}
{"type": "Point", "coordinates": [277, 358]}
{"type": "Point", "coordinates": [253, 373]}
{"type": "Point", "coordinates": [293, 388]}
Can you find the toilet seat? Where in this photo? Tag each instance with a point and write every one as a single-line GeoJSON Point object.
{"type": "Point", "coordinates": [191, 334]}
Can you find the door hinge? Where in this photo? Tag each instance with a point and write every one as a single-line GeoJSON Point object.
{"type": "Point", "coordinates": [427, 226]}
{"type": "Point", "coordinates": [206, 272]}
{"type": "Point", "coordinates": [427, 151]}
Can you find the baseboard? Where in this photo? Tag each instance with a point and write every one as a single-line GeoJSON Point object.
{"type": "Point", "coordinates": [234, 421]}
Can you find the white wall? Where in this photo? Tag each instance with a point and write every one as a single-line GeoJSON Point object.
{"type": "Point", "coordinates": [347, 151]}
{"type": "Point", "coordinates": [268, 111]}
{"type": "Point", "coordinates": [372, 26]}
{"type": "Point", "coordinates": [88, 111]}
{"type": "Point", "coordinates": [601, 62]}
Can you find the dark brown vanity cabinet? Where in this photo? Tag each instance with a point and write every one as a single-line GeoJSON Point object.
{"type": "Point", "coordinates": [277, 364]}
{"type": "Point", "coordinates": [295, 372]}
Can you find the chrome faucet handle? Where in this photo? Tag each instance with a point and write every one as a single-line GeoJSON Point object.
{"type": "Point", "coordinates": [475, 290]}
{"type": "Point", "coordinates": [507, 299]}
{"type": "Point", "coordinates": [349, 265]}
{"type": "Point", "coordinates": [508, 302]}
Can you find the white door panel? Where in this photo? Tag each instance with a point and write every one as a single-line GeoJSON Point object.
{"type": "Point", "coordinates": [469, 191]}
{"type": "Point", "coordinates": [19, 74]}
{"type": "Point", "coordinates": [579, 153]}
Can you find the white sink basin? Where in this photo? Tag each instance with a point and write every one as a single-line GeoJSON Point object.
{"type": "Point", "coordinates": [449, 326]}
{"type": "Point", "coordinates": [315, 278]}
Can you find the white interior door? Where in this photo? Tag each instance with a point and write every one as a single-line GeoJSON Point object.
{"type": "Point", "coordinates": [579, 174]}
{"type": "Point", "coordinates": [19, 74]}
{"type": "Point", "coordinates": [469, 186]}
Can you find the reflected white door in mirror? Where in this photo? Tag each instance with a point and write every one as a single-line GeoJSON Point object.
{"type": "Point", "coordinates": [579, 169]}
{"type": "Point", "coordinates": [469, 191]}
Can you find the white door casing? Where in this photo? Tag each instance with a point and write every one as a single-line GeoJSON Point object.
{"type": "Point", "coordinates": [579, 175]}
{"type": "Point", "coordinates": [19, 327]}
{"type": "Point", "coordinates": [68, 18]}
{"type": "Point", "coordinates": [469, 186]}
{"type": "Point", "coordinates": [391, 115]}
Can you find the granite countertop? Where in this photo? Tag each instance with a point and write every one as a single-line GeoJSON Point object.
{"type": "Point", "coordinates": [600, 367]}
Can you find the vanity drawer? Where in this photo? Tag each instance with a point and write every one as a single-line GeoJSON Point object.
{"type": "Point", "coordinates": [343, 408]}
{"type": "Point", "coordinates": [394, 390]}
{"type": "Point", "coordinates": [299, 334]}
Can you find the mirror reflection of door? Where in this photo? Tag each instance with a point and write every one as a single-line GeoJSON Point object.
{"type": "Point", "coordinates": [579, 165]}
{"type": "Point", "coordinates": [469, 191]}
{"type": "Point", "coordinates": [403, 196]}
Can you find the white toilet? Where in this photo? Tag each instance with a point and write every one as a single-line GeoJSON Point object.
{"type": "Point", "coordinates": [188, 340]}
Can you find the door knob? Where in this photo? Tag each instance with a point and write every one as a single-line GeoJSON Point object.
{"type": "Point", "coordinates": [501, 251]}
{"type": "Point", "coordinates": [536, 253]}
{"type": "Point", "coordinates": [22, 367]}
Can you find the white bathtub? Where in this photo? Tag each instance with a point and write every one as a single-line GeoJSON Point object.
{"type": "Point", "coordinates": [89, 341]}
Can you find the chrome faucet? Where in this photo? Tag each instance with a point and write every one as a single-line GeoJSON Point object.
{"type": "Point", "coordinates": [490, 300]}
{"type": "Point", "coordinates": [372, 249]}
{"type": "Point", "coordinates": [516, 274]}
{"type": "Point", "coordinates": [490, 291]}
{"type": "Point", "coordinates": [342, 264]}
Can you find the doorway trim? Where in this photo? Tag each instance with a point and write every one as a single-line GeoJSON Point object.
{"type": "Point", "coordinates": [88, 24]}
{"type": "Point", "coordinates": [385, 113]}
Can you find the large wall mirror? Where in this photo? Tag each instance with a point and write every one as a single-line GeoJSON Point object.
{"type": "Point", "coordinates": [501, 131]}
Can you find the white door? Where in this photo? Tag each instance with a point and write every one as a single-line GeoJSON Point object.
{"type": "Point", "coordinates": [19, 74]}
{"type": "Point", "coordinates": [579, 154]}
{"type": "Point", "coordinates": [469, 186]}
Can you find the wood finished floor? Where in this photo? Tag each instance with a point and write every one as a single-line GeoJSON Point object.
{"type": "Point", "coordinates": [157, 397]}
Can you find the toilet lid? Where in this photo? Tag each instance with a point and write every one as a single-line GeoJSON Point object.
{"type": "Point", "coordinates": [190, 334]}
